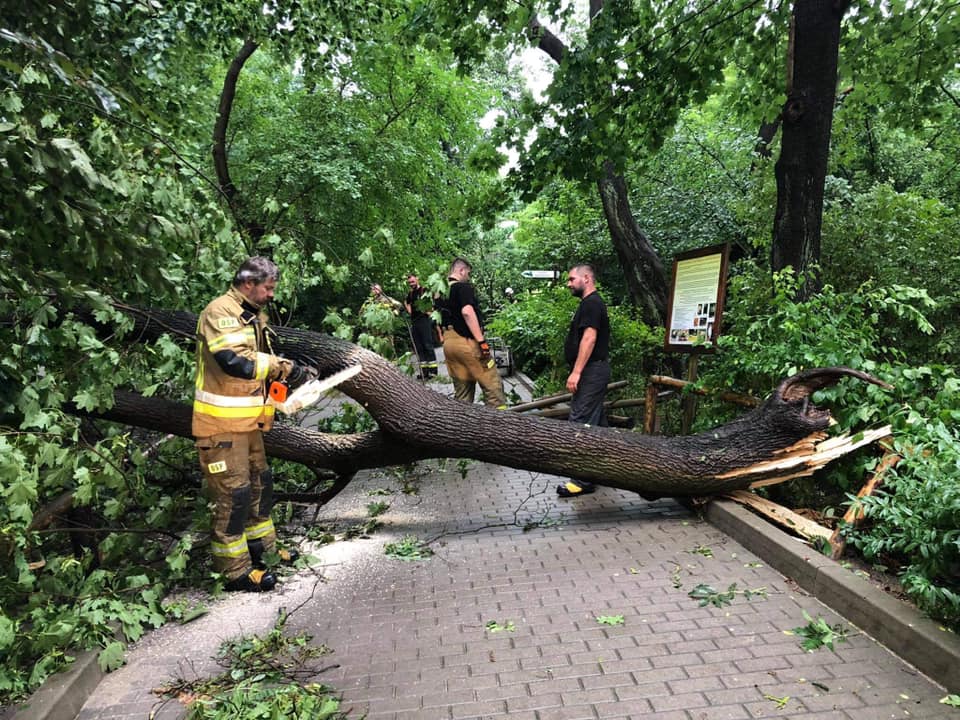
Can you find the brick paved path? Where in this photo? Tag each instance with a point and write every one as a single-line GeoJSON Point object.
{"type": "Point", "coordinates": [412, 642]}
{"type": "Point", "coordinates": [411, 638]}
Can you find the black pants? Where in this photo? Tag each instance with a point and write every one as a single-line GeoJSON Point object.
{"type": "Point", "coordinates": [586, 406]}
{"type": "Point", "coordinates": [422, 331]}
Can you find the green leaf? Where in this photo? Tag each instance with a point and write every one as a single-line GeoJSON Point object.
{"type": "Point", "coordinates": [610, 619]}
{"type": "Point", "coordinates": [7, 632]}
{"type": "Point", "coordinates": [111, 657]}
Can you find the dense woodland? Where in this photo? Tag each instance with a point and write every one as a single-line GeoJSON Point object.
{"type": "Point", "coordinates": [147, 148]}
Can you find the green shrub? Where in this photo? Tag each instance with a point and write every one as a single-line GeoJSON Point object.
{"type": "Point", "coordinates": [912, 523]}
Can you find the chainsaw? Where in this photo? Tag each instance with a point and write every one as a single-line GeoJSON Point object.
{"type": "Point", "coordinates": [288, 402]}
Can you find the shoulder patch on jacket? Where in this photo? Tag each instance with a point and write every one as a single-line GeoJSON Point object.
{"type": "Point", "coordinates": [227, 322]}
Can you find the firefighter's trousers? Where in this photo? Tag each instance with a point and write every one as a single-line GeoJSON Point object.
{"type": "Point", "coordinates": [466, 369]}
{"type": "Point", "coordinates": [240, 487]}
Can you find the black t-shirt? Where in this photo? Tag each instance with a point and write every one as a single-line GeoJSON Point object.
{"type": "Point", "coordinates": [592, 312]}
{"type": "Point", "coordinates": [413, 300]}
{"type": "Point", "coordinates": [461, 295]}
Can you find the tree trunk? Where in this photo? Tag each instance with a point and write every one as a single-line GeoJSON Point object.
{"type": "Point", "coordinates": [807, 118]}
{"type": "Point", "coordinates": [417, 422]}
{"type": "Point", "coordinates": [227, 94]}
{"type": "Point", "coordinates": [646, 279]}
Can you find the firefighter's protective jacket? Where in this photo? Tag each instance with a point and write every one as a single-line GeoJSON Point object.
{"type": "Point", "coordinates": [234, 364]}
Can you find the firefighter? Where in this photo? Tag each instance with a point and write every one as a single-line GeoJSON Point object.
{"type": "Point", "coordinates": [465, 349]}
{"type": "Point", "coordinates": [235, 364]}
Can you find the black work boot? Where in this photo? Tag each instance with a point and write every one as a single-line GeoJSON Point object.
{"type": "Point", "coordinates": [573, 488]}
{"type": "Point", "coordinates": [254, 581]}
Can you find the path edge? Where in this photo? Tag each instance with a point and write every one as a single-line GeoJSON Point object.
{"type": "Point", "coordinates": [928, 646]}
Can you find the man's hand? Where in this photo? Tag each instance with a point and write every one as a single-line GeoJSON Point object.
{"type": "Point", "coordinates": [298, 375]}
{"type": "Point", "coordinates": [573, 381]}
{"type": "Point", "coordinates": [484, 350]}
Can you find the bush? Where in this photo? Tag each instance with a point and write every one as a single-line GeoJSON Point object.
{"type": "Point", "coordinates": [912, 522]}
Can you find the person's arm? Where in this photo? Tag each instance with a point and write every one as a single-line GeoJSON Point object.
{"type": "Point", "coordinates": [380, 296]}
{"type": "Point", "coordinates": [473, 322]}
{"type": "Point", "coordinates": [587, 342]}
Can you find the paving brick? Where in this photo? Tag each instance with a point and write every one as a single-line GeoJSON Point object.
{"type": "Point", "coordinates": [477, 709]}
{"type": "Point", "coordinates": [725, 712]}
{"type": "Point", "coordinates": [411, 642]}
{"type": "Point", "coordinates": [664, 715]}
{"type": "Point", "coordinates": [689, 685]}
{"type": "Point", "coordinates": [533, 702]}
{"type": "Point", "coordinates": [674, 702]}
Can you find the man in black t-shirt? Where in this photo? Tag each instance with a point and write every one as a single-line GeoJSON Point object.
{"type": "Point", "coordinates": [418, 303]}
{"type": "Point", "coordinates": [586, 350]}
{"type": "Point", "coordinates": [465, 348]}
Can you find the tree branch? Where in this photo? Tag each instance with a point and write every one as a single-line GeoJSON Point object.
{"type": "Point", "coordinates": [227, 95]}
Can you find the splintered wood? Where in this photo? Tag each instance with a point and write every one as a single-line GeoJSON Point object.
{"type": "Point", "coordinates": [805, 458]}
{"type": "Point", "coordinates": [855, 514]}
{"type": "Point", "coordinates": [829, 449]}
{"type": "Point", "coordinates": [781, 515]}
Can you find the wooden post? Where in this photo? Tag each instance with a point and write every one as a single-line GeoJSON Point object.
{"type": "Point", "coordinates": [650, 408]}
{"type": "Point", "coordinates": [690, 399]}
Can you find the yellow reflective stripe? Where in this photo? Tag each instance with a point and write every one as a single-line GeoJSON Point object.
{"type": "Point", "coordinates": [205, 396]}
{"type": "Point", "coordinates": [231, 550]}
{"type": "Point", "coordinates": [243, 337]}
{"type": "Point", "coordinates": [255, 532]}
{"type": "Point", "coordinates": [263, 366]}
{"type": "Point", "coordinates": [222, 412]}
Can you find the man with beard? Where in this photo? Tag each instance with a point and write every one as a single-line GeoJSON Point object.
{"type": "Point", "coordinates": [586, 350]}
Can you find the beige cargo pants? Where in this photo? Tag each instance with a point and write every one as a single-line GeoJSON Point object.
{"type": "Point", "coordinates": [239, 485]}
{"type": "Point", "coordinates": [462, 356]}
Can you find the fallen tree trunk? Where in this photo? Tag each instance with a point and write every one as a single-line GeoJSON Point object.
{"type": "Point", "coordinates": [777, 439]}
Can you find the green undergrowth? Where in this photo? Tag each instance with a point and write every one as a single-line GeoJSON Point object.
{"type": "Point", "coordinates": [912, 524]}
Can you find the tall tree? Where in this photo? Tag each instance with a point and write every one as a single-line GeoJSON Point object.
{"type": "Point", "coordinates": [641, 266]}
{"type": "Point", "coordinates": [807, 118]}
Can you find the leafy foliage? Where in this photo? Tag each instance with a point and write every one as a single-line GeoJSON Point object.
{"type": "Point", "coordinates": [493, 626]}
{"type": "Point", "coordinates": [913, 519]}
{"type": "Point", "coordinates": [709, 595]}
{"type": "Point", "coordinates": [264, 677]}
{"type": "Point", "coordinates": [408, 548]}
{"type": "Point", "coordinates": [109, 199]}
{"type": "Point", "coordinates": [610, 619]}
{"type": "Point", "coordinates": [818, 633]}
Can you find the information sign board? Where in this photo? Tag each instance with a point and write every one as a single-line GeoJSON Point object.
{"type": "Point", "coordinates": [697, 292]}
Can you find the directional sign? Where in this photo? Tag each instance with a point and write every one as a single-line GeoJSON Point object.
{"type": "Point", "coordinates": [541, 274]}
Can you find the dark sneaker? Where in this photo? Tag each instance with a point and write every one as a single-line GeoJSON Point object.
{"type": "Point", "coordinates": [573, 489]}
{"type": "Point", "coordinates": [253, 581]}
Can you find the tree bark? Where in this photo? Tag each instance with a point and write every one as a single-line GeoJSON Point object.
{"type": "Point", "coordinates": [644, 273]}
{"type": "Point", "coordinates": [807, 117]}
{"type": "Point", "coordinates": [417, 423]}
